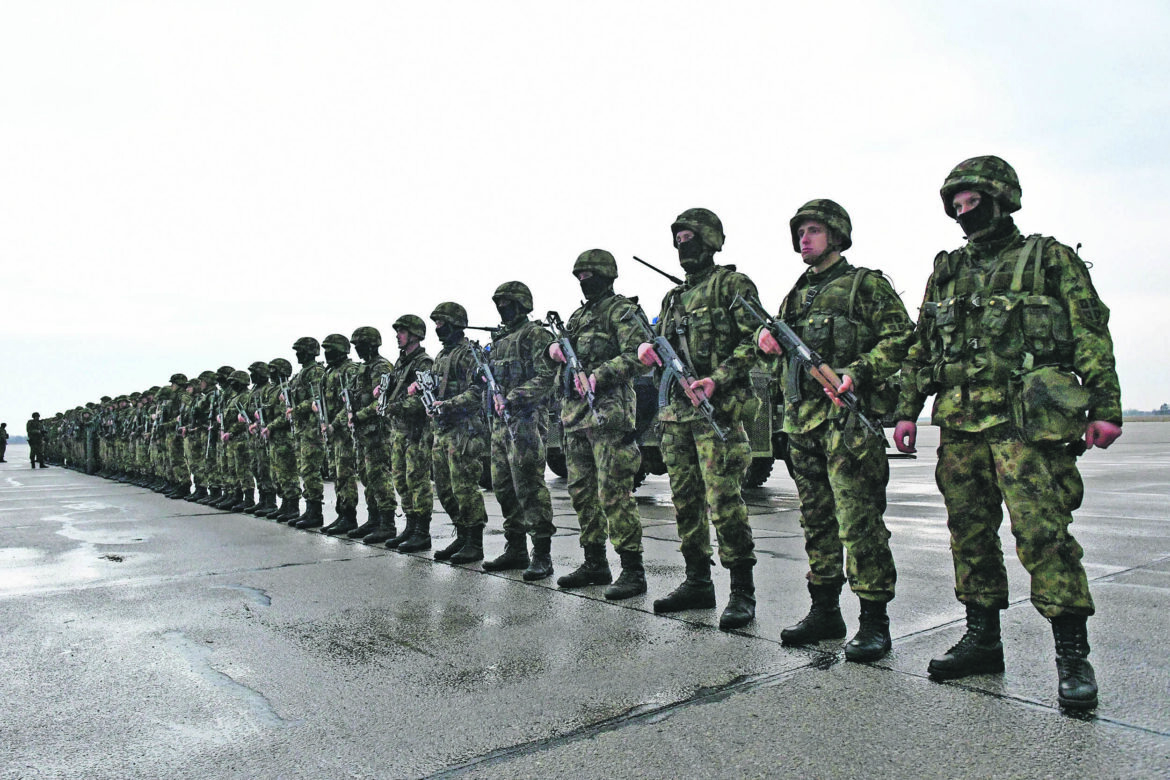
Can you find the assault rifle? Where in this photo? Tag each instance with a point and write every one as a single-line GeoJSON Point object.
{"type": "Point", "coordinates": [212, 419]}
{"type": "Point", "coordinates": [349, 418]}
{"type": "Point", "coordinates": [575, 372]}
{"type": "Point", "coordinates": [494, 390]}
{"type": "Point", "coordinates": [286, 394]}
{"type": "Point", "coordinates": [322, 412]}
{"type": "Point", "coordinates": [384, 393]}
{"type": "Point", "coordinates": [428, 383]}
{"type": "Point", "coordinates": [675, 370]}
{"type": "Point", "coordinates": [816, 366]}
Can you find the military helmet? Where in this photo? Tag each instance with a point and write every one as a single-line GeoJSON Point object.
{"type": "Point", "coordinates": [223, 372]}
{"type": "Point", "coordinates": [412, 325]}
{"type": "Point", "coordinates": [452, 313]}
{"type": "Point", "coordinates": [828, 213]}
{"type": "Point", "coordinates": [336, 342]}
{"type": "Point", "coordinates": [106, 399]}
{"type": "Point", "coordinates": [209, 376]}
{"type": "Point", "coordinates": [367, 334]}
{"type": "Point", "coordinates": [179, 379]}
{"type": "Point", "coordinates": [703, 223]}
{"type": "Point", "coordinates": [596, 261]}
{"type": "Point", "coordinates": [281, 367]}
{"type": "Point", "coordinates": [260, 368]}
{"type": "Point", "coordinates": [514, 291]}
{"type": "Point", "coordinates": [988, 174]}
{"type": "Point", "coordinates": [307, 344]}
{"type": "Point", "coordinates": [36, 415]}
{"type": "Point", "coordinates": [240, 377]}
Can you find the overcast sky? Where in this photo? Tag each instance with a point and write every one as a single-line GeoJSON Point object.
{"type": "Point", "coordinates": [188, 184]}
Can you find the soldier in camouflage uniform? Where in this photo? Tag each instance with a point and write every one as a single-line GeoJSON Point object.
{"type": "Point", "coordinates": [525, 373]}
{"type": "Point", "coordinates": [179, 476]}
{"type": "Point", "coordinates": [34, 430]}
{"type": "Point", "coordinates": [258, 398]}
{"type": "Point", "coordinates": [304, 387]}
{"type": "Point", "coordinates": [1014, 343]}
{"type": "Point", "coordinates": [601, 453]}
{"type": "Point", "coordinates": [411, 437]}
{"type": "Point", "coordinates": [235, 437]}
{"type": "Point", "coordinates": [373, 432]}
{"type": "Point", "coordinates": [196, 436]}
{"type": "Point", "coordinates": [282, 445]}
{"type": "Point", "coordinates": [460, 436]}
{"type": "Point", "coordinates": [338, 386]}
{"type": "Point", "coordinates": [714, 334]}
{"type": "Point", "coordinates": [853, 318]}
{"type": "Point", "coordinates": [3, 440]}
{"type": "Point", "coordinates": [222, 467]}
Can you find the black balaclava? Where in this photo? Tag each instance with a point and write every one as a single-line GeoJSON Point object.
{"type": "Point", "coordinates": [596, 286]}
{"type": "Point", "coordinates": [510, 310]}
{"type": "Point", "coordinates": [694, 255]}
{"type": "Point", "coordinates": [448, 334]}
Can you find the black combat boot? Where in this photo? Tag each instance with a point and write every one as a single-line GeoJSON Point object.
{"type": "Point", "coordinates": [979, 651]}
{"type": "Point", "coordinates": [230, 499]}
{"type": "Point", "coordinates": [246, 502]}
{"type": "Point", "coordinates": [346, 522]}
{"type": "Point", "coordinates": [407, 532]}
{"type": "Point", "coordinates": [472, 549]}
{"type": "Point", "coordinates": [270, 509]}
{"type": "Point", "coordinates": [452, 548]}
{"type": "Point", "coordinates": [260, 504]}
{"type": "Point", "coordinates": [312, 517]}
{"type": "Point", "coordinates": [632, 581]}
{"type": "Point", "coordinates": [695, 592]}
{"type": "Point", "coordinates": [373, 521]}
{"type": "Point", "coordinates": [823, 620]}
{"type": "Point", "coordinates": [1078, 684]}
{"type": "Point", "coordinates": [594, 571]}
{"type": "Point", "coordinates": [741, 606]}
{"type": "Point", "coordinates": [420, 536]}
{"type": "Point", "coordinates": [515, 554]}
{"type": "Point", "coordinates": [872, 640]}
{"type": "Point", "coordinates": [340, 510]}
{"type": "Point", "coordinates": [541, 566]}
{"type": "Point", "coordinates": [386, 530]}
{"type": "Point", "coordinates": [199, 494]}
{"type": "Point", "coordinates": [213, 494]}
{"type": "Point", "coordinates": [290, 510]}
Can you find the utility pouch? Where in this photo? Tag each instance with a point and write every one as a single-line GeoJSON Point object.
{"type": "Point", "coordinates": [1049, 404]}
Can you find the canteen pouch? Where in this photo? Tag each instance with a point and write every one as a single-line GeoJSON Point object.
{"type": "Point", "coordinates": [1049, 404]}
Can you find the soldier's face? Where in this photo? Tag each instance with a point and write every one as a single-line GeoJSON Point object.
{"type": "Point", "coordinates": [403, 337]}
{"type": "Point", "coordinates": [683, 236]}
{"type": "Point", "coordinates": [965, 201]}
{"type": "Point", "coordinates": [813, 238]}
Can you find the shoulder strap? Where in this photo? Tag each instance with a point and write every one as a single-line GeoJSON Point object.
{"type": "Point", "coordinates": [859, 275]}
{"type": "Point", "coordinates": [1033, 244]}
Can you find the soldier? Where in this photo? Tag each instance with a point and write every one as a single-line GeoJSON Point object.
{"type": "Point", "coordinates": [411, 437]}
{"type": "Point", "coordinates": [235, 437]}
{"type": "Point", "coordinates": [35, 432]}
{"type": "Point", "coordinates": [196, 437]}
{"type": "Point", "coordinates": [853, 318]}
{"type": "Point", "coordinates": [282, 444]}
{"type": "Point", "coordinates": [1014, 343]}
{"type": "Point", "coordinates": [460, 436]}
{"type": "Point", "coordinates": [524, 373]}
{"type": "Point", "coordinates": [223, 468]}
{"type": "Point", "coordinates": [373, 432]}
{"type": "Point", "coordinates": [601, 453]}
{"type": "Point", "coordinates": [336, 389]}
{"type": "Point", "coordinates": [705, 325]}
{"type": "Point", "coordinates": [253, 410]}
{"type": "Point", "coordinates": [3, 440]}
{"type": "Point", "coordinates": [210, 413]}
{"type": "Point", "coordinates": [179, 480]}
{"type": "Point", "coordinates": [304, 387]}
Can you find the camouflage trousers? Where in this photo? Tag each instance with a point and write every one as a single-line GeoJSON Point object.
{"type": "Point", "coordinates": [180, 471]}
{"type": "Point", "coordinates": [193, 455]}
{"type": "Point", "coordinates": [841, 479]}
{"type": "Point", "coordinates": [345, 466]}
{"type": "Point", "coordinates": [411, 464]}
{"type": "Point", "coordinates": [979, 472]}
{"type": "Point", "coordinates": [518, 477]}
{"type": "Point", "coordinates": [282, 454]}
{"type": "Point", "coordinates": [261, 462]}
{"type": "Point", "coordinates": [311, 460]}
{"type": "Point", "coordinates": [705, 479]}
{"type": "Point", "coordinates": [239, 463]}
{"type": "Point", "coordinates": [601, 468]}
{"type": "Point", "coordinates": [457, 459]}
{"type": "Point", "coordinates": [376, 470]}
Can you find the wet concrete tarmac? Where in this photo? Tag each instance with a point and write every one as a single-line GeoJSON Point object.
{"type": "Point", "coordinates": [144, 637]}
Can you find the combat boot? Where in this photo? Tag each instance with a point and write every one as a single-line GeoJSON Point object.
{"type": "Point", "coordinates": [373, 521]}
{"type": "Point", "coordinates": [312, 517]}
{"type": "Point", "coordinates": [290, 510]}
{"type": "Point", "coordinates": [515, 555]}
{"type": "Point", "coordinates": [632, 581]}
{"type": "Point", "coordinates": [199, 494]}
{"type": "Point", "coordinates": [695, 592]}
{"type": "Point", "coordinates": [472, 549]}
{"type": "Point", "coordinates": [262, 504]}
{"type": "Point", "coordinates": [268, 505]}
{"type": "Point", "coordinates": [336, 521]}
{"type": "Point", "coordinates": [247, 501]}
{"type": "Point", "coordinates": [346, 522]}
{"type": "Point", "coordinates": [541, 566]}
{"type": "Point", "coordinates": [594, 571]}
{"type": "Point", "coordinates": [979, 651]}
{"type": "Point", "coordinates": [420, 536]}
{"type": "Point", "coordinates": [213, 494]}
{"type": "Point", "coordinates": [823, 620]}
{"type": "Point", "coordinates": [741, 606]}
{"type": "Point", "coordinates": [453, 547]}
{"type": "Point", "coordinates": [1078, 684]}
{"type": "Point", "coordinates": [872, 640]}
{"type": "Point", "coordinates": [384, 532]}
{"type": "Point", "coordinates": [230, 499]}
{"type": "Point", "coordinates": [407, 532]}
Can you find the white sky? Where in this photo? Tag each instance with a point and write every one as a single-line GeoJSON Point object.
{"type": "Point", "coordinates": [188, 184]}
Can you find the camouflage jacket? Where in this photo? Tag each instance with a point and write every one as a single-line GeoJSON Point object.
{"type": "Point", "coordinates": [605, 337]}
{"type": "Point", "coordinates": [460, 388]}
{"type": "Point", "coordinates": [520, 363]}
{"type": "Point", "coordinates": [995, 310]}
{"type": "Point", "coordinates": [404, 410]}
{"type": "Point", "coordinates": [853, 318]}
{"type": "Point", "coordinates": [367, 419]}
{"type": "Point", "coordinates": [305, 385]}
{"type": "Point", "coordinates": [341, 380]}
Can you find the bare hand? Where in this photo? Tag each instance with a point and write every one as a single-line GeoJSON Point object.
{"type": "Point", "coordinates": [377, 391]}
{"type": "Point", "coordinates": [1101, 434]}
{"type": "Point", "coordinates": [905, 435]}
{"type": "Point", "coordinates": [647, 354]}
{"type": "Point", "coordinates": [499, 403]}
{"type": "Point", "coordinates": [768, 343]}
{"type": "Point", "coordinates": [702, 389]}
{"type": "Point", "coordinates": [845, 387]}
{"type": "Point", "coordinates": [556, 353]}
{"type": "Point", "coordinates": [413, 389]}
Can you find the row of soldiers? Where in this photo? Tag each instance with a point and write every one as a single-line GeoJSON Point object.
{"type": "Point", "coordinates": [1012, 341]}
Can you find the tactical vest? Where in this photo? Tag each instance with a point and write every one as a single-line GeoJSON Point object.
{"type": "Point", "coordinates": [510, 356]}
{"type": "Point", "coordinates": [695, 330]}
{"type": "Point", "coordinates": [991, 322]}
{"type": "Point", "coordinates": [593, 336]}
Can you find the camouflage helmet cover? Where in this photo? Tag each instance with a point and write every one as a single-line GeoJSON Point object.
{"type": "Point", "coordinates": [451, 312]}
{"type": "Point", "coordinates": [514, 291]}
{"type": "Point", "coordinates": [240, 377]}
{"type": "Point", "coordinates": [280, 367]}
{"type": "Point", "coordinates": [179, 379]}
{"type": "Point", "coordinates": [703, 223]}
{"type": "Point", "coordinates": [596, 261]}
{"type": "Point", "coordinates": [260, 368]}
{"type": "Point", "coordinates": [987, 174]}
{"type": "Point", "coordinates": [209, 376]}
{"type": "Point", "coordinates": [367, 334]}
{"type": "Point", "coordinates": [337, 342]}
{"type": "Point", "coordinates": [308, 344]}
{"type": "Point", "coordinates": [411, 324]}
{"type": "Point", "coordinates": [828, 213]}
{"type": "Point", "coordinates": [223, 372]}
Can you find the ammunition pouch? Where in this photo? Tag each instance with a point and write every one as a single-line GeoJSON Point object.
{"type": "Point", "coordinates": [1049, 404]}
